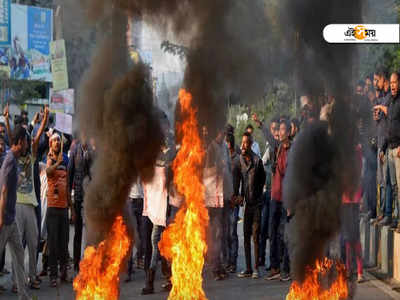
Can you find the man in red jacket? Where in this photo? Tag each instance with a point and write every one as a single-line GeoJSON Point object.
{"type": "Point", "coordinates": [278, 214]}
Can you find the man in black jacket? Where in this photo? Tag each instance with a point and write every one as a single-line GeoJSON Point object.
{"type": "Point", "coordinates": [253, 180]}
{"type": "Point", "coordinates": [233, 240]}
{"type": "Point", "coordinates": [392, 140]}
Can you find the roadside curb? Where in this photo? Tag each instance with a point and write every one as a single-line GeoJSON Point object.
{"type": "Point", "coordinates": [381, 285]}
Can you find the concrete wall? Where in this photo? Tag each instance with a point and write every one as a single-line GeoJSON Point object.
{"type": "Point", "coordinates": [381, 249]}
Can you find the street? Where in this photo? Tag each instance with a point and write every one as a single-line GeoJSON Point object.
{"type": "Point", "coordinates": [232, 288]}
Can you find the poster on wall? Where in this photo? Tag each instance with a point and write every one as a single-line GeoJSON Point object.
{"type": "Point", "coordinates": [59, 65]}
{"type": "Point", "coordinates": [5, 22]}
{"type": "Point", "coordinates": [64, 123]}
{"type": "Point", "coordinates": [62, 101]}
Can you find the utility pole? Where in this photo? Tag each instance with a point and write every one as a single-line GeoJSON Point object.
{"type": "Point", "coordinates": [119, 26]}
{"type": "Point", "coordinates": [58, 27]}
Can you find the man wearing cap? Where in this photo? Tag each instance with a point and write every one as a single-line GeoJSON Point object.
{"type": "Point", "coordinates": [58, 202]}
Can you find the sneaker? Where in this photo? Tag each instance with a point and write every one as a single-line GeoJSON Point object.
{"type": "Point", "coordinates": [218, 276]}
{"type": "Point", "coordinates": [273, 274]}
{"type": "Point", "coordinates": [245, 274]}
{"type": "Point", "coordinates": [255, 274]}
{"type": "Point", "coordinates": [393, 225]}
{"type": "Point", "coordinates": [386, 221]}
{"type": "Point", "coordinates": [231, 269]}
{"type": "Point", "coordinates": [223, 273]}
{"type": "Point", "coordinates": [284, 277]}
{"type": "Point", "coordinates": [360, 279]}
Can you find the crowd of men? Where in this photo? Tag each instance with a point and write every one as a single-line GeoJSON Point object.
{"type": "Point", "coordinates": [39, 169]}
{"type": "Point", "coordinates": [237, 176]}
{"type": "Point", "coordinates": [44, 174]}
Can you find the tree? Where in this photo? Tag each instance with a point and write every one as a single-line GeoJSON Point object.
{"type": "Point", "coordinates": [174, 49]}
{"type": "Point", "coordinates": [380, 56]}
{"type": "Point", "coordinates": [20, 90]}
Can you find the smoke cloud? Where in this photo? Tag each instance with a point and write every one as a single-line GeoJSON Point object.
{"type": "Point", "coordinates": [227, 42]}
{"type": "Point", "coordinates": [322, 162]}
{"type": "Point", "coordinates": [228, 47]}
{"type": "Point", "coordinates": [116, 109]}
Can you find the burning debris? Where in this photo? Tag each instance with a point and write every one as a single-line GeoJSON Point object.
{"type": "Point", "coordinates": [119, 112]}
{"type": "Point", "coordinates": [322, 164]}
{"type": "Point", "coordinates": [184, 241]}
{"type": "Point", "coordinates": [100, 267]}
{"type": "Point", "coordinates": [327, 281]}
{"type": "Point", "coordinates": [116, 109]}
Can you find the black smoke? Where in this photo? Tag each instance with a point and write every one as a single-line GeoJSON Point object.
{"type": "Point", "coordinates": [227, 43]}
{"type": "Point", "coordinates": [322, 163]}
{"type": "Point", "coordinates": [116, 110]}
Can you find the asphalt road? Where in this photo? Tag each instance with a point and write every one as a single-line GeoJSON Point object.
{"type": "Point", "coordinates": [232, 288]}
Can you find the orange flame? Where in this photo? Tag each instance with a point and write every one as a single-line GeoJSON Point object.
{"type": "Point", "coordinates": [311, 288]}
{"type": "Point", "coordinates": [98, 278]}
{"type": "Point", "coordinates": [184, 241]}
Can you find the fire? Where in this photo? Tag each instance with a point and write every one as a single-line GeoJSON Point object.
{"type": "Point", "coordinates": [184, 241]}
{"type": "Point", "coordinates": [98, 278]}
{"type": "Point", "coordinates": [312, 289]}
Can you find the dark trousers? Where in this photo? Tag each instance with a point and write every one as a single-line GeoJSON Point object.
{"type": "Point", "coordinates": [388, 205]}
{"type": "Point", "coordinates": [264, 226]}
{"type": "Point", "coordinates": [78, 232]}
{"type": "Point", "coordinates": [3, 260]}
{"type": "Point", "coordinates": [233, 240]}
{"type": "Point", "coordinates": [215, 236]}
{"type": "Point", "coordinates": [57, 240]}
{"type": "Point", "coordinates": [275, 233]}
{"type": "Point", "coordinates": [369, 181]}
{"type": "Point", "coordinates": [136, 207]}
{"type": "Point", "coordinates": [226, 211]}
{"type": "Point", "coordinates": [283, 244]}
{"type": "Point", "coordinates": [148, 250]}
{"type": "Point", "coordinates": [251, 228]}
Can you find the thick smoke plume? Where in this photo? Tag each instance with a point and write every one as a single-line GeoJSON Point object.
{"type": "Point", "coordinates": [227, 42]}
{"type": "Point", "coordinates": [116, 109]}
{"type": "Point", "coordinates": [322, 162]}
{"type": "Point", "coordinates": [228, 47]}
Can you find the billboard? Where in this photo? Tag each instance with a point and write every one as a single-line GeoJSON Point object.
{"type": "Point", "coordinates": [31, 33]}
{"type": "Point", "coordinates": [5, 36]}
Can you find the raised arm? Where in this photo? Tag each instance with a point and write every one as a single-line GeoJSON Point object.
{"type": "Point", "coordinates": [6, 115]}
{"type": "Point", "coordinates": [36, 139]}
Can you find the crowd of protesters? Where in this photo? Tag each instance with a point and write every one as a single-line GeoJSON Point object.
{"type": "Point", "coordinates": [44, 174]}
{"type": "Point", "coordinates": [237, 176]}
{"type": "Point", "coordinates": [39, 168]}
